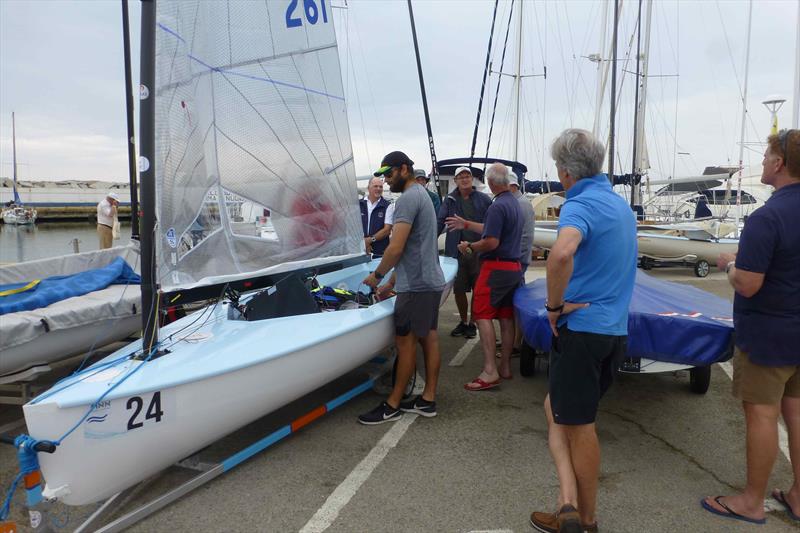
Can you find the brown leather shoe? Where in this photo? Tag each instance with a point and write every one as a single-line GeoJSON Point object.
{"type": "Point", "coordinates": [566, 520]}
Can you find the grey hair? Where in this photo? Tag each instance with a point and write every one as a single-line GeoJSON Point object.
{"type": "Point", "coordinates": [375, 178]}
{"type": "Point", "coordinates": [578, 153]}
{"type": "Point", "coordinates": [498, 174]}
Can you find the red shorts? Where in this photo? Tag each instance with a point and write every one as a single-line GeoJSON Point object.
{"type": "Point", "coordinates": [493, 295]}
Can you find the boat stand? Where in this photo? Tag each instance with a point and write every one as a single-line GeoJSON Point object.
{"type": "Point", "coordinates": [376, 368]}
{"type": "Point", "coordinates": [19, 386]}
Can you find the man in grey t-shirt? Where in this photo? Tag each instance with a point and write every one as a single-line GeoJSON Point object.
{"type": "Point", "coordinates": [419, 281]}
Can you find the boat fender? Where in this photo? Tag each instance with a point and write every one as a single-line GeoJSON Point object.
{"type": "Point", "coordinates": [46, 325]}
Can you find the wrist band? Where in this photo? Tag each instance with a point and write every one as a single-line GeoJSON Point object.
{"type": "Point", "coordinates": [730, 265]}
{"type": "Point", "coordinates": [554, 309]}
{"type": "Point", "coordinates": [377, 275]}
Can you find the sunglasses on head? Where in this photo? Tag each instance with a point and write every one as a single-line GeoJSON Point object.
{"type": "Point", "coordinates": [783, 139]}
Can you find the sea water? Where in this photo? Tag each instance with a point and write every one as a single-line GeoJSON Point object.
{"type": "Point", "coordinates": [51, 239]}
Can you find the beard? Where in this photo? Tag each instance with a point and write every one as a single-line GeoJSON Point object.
{"type": "Point", "coordinates": [398, 184]}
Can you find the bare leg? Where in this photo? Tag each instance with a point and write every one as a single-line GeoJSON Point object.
{"type": "Point", "coordinates": [559, 450]}
{"type": "Point", "coordinates": [790, 407]}
{"type": "Point", "coordinates": [584, 451]}
{"type": "Point", "coordinates": [406, 366]}
{"type": "Point", "coordinates": [463, 308]}
{"type": "Point", "coordinates": [507, 337]}
{"type": "Point", "coordinates": [486, 329]}
{"type": "Point", "coordinates": [762, 449]}
{"type": "Point", "coordinates": [430, 347]}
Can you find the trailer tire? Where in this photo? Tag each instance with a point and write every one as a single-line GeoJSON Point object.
{"type": "Point", "coordinates": [700, 379]}
{"type": "Point", "coordinates": [646, 263]}
{"type": "Point", "coordinates": [527, 360]}
{"type": "Point", "coordinates": [701, 268]}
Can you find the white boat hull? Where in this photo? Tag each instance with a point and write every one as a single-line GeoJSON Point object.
{"type": "Point", "coordinates": [142, 427]}
{"type": "Point", "coordinates": [19, 216]}
{"type": "Point", "coordinates": [674, 248]}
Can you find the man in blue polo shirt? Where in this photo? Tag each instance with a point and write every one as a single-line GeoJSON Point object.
{"type": "Point", "coordinates": [766, 314]}
{"type": "Point", "coordinates": [591, 270]}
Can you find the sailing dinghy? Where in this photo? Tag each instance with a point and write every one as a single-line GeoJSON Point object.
{"type": "Point", "coordinates": [242, 104]}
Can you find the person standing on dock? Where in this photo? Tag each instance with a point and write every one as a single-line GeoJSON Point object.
{"type": "Point", "coordinates": [766, 317]}
{"type": "Point", "coordinates": [419, 281]}
{"type": "Point", "coordinates": [377, 215]}
{"type": "Point", "coordinates": [466, 202]}
{"type": "Point", "coordinates": [499, 275]}
{"type": "Point", "coordinates": [106, 219]}
{"type": "Point", "coordinates": [422, 178]}
{"type": "Point", "coordinates": [591, 271]}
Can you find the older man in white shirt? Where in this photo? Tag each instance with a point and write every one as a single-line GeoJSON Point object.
{"type": "Point", "coordinates": [106, 218]}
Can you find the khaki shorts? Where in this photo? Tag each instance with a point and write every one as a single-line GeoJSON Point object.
{"type": "Point", "coordinates": [754, 383]}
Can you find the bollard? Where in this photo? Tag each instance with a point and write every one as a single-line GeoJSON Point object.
{"type": "Point", "coordinates": [75, 245]}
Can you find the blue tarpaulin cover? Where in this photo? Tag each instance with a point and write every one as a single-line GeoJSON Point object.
{"type": "Point", "coordinates": [668, 322]}
{"type": "Point", "coordinates": [56, 288]}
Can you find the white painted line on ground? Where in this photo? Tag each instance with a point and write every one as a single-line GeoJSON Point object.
{"type": "Point", "coordinates": [492, 531]}
{"type": "Point", "coordinates": [463, 352]}
{"type": "Point", "coordinates": [339, 498]}
{"type": "Point", "coordinates": [783, 436]}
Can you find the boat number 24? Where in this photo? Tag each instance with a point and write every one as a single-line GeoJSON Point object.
{"type": "Point", "coordinates": [312, 13]}
{"type": "Point", "coordinates": [135, 406]}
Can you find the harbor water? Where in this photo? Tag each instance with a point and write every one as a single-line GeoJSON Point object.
{"type": "Point", "coordinates": [50, 239]}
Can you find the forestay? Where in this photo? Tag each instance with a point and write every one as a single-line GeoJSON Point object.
{"type": "Point", "coordinates": [251, 135]}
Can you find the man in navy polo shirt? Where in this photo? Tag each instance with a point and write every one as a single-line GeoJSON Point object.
{"type": "Point", "coordinates": [591, 270]}
{"type": "Point", "coordinates": [766, 314]}
{"type": "Point", "coordinates": [376, 218]}
{"type": "Point", "coordinates": [499, 275]}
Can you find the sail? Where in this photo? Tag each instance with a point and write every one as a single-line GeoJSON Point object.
{"type": "Point", "coordinates": [254, 166]}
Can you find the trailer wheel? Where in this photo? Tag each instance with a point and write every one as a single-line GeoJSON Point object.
{"type": "Point", "coordinates": [701, 268]}
{"type": "Point", "coordinates": [700, 379]}
{"type": "Point", "coordinates": [646, 263]}
{"type": "Point", "coordinates": [527, 360]}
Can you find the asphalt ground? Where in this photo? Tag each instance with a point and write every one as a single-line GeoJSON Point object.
{"type": "Point", "coordinates": [481, 465]}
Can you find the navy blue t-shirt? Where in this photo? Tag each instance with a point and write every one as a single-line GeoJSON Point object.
{"type": "Point", "coordinates": [504, 222]}
{"type": "Point", "coordinates": [768, 323]}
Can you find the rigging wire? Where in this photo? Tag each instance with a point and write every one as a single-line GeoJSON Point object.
{"type": "Point", "coordinates": [499, 78]}
{"type": "Point", "coordinates": [483, 82]}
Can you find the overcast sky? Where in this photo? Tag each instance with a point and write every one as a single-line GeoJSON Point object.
{"type": "Point", "coordinates": [61, 71]}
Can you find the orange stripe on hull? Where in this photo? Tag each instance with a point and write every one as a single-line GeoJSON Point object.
{"type": "Point", "coordinates": [308, 418]}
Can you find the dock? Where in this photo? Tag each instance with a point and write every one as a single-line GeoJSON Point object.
{"type": "Point", "coordinates": [481, 465]}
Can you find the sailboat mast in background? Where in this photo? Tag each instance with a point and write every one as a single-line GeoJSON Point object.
{"type": "Point", "coordinates": [744, 123]}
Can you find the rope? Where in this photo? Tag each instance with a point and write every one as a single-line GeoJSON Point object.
{"type": "Point", "coordinates": [500, 77]}
{"type": "Point", "coordinates": [18, 290]}
{"type": "Point", "coordinates": [483, 83]}
{"type": "Point", "coordinates": [28, 464]}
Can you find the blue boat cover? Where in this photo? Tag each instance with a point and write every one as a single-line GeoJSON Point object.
{"type": "Point", "coordinates": [57, 288]}
{"type": "Point", "coordinates": [668, 322]}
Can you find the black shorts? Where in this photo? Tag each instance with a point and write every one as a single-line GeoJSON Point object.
{"type": "Point", "coordinates": [582, 367]}
{"type": "Point", "coordinates": [468, 269]}
{"type": "Point", "coordinates": [416, 312]}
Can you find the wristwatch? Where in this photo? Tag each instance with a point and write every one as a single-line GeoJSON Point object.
{"type": "Point", "coordinates": [555, 309]}
{"type": "Point", "coordinates": [730, 265]}
{"type": "Point", "coordinates": [372, 239]}
{"type": "Point", "coordinates": [377, 275]}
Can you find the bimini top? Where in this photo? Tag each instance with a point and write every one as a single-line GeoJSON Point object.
{"type": "Point", "coordinates": [447, 167]}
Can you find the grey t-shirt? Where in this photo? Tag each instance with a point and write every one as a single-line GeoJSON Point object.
{"type": "Point", "coordinates": [526, 246]}
{"type": "Point", "coordinates": [418, 269]}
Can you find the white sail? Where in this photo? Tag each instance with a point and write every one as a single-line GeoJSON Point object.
{"type": "Point", "coordinates": [250, 110]}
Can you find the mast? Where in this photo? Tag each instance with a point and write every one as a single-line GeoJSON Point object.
{"type": "Point", "coordinates": [14, 156]}
{"type": "Point", "coordinates": [518, 79]}
{"type": "Point", "coordinates": [147, 117]}
{"type": "Point", "coordinates": [744, 123]}
{"type": "Point", "coordinates": [796, 97]}
{"type": "Point", "coordinates": [640, 149]}
{"type": "Point", "coordinates": [602, 66]}
{"type": "Point", "coordinates": [634, 169]}
{"type": "Point", "coordinates": [434, 166]}
{"type": "Point", "coordinates": [126, 46]}
{"type": "Point", "coordinates": [486, 70]}
{"type": "Point", "coordinates": [612, 121]}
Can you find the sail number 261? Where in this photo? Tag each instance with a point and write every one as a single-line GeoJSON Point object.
{"type": "Point", "coordinates": [312, 13]}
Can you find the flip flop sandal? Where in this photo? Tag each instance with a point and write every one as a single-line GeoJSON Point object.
{"type": "Point", "coordinates": [780, 497]}
{"type": "Point", "coordinates": [730, 513]}
{"type": "Point", "coordinates": [479, 384]}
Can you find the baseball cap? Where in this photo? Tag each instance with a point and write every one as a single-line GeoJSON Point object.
{"type": "Point", "coordinates": [113, 196]}
{"type": "Point", "coordinates": [393, 159]}
{"type": "Point", "coordinates": [512, 178]}
{"type": "Point", "coordinates": [419, 173]}
{"type": "Point", "coordinates": [459, 170]}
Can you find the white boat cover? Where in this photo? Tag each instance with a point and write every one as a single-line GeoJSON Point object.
{"type": "Point", "coordinates": [114, 302]}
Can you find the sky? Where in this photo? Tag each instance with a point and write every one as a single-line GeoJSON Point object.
{"type": "Point", "coordinates": [61, 72]}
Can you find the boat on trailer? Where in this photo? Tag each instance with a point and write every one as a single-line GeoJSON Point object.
{"type": "Point", "coordinates": [261, 120]}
